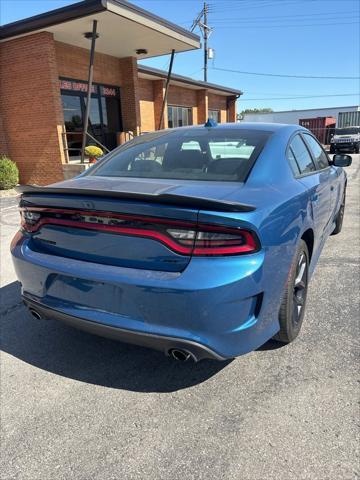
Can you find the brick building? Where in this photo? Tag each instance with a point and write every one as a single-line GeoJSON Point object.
{"type": "Point", "coordinates": [44, 63]}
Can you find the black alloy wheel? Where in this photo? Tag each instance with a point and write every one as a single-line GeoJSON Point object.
{"type": "Point", "coordinates": [292, 309]}
{"type": "Point", "coordinates": [340, 216]}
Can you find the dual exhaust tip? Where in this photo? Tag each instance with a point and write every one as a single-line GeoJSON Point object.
{"type": "Point", "coordinates": [181, 355]}
{"type": "Point", "coordinates": [177, 354]}
{"type": "Point", "coordinates": [35, 314]}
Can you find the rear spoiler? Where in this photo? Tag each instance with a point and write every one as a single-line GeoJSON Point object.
{"type": "Point", "coordinates": [164, 198]}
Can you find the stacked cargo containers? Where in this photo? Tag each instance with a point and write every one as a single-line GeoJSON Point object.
{"type": "Point", "coordinates": [348, 119]}
{"type": "Point", "coordinates": [321, 127]}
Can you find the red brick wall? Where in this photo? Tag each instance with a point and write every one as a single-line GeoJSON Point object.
{"type": "Point", "coordinates": [130, 106]}
{"type": "Point", "coordinates": [30, 106]}
{"type": "Point", "coordinates": [201, 101]}
{"type": "Point", "coordinates": [181, 96]}
{"type": "Point", "coordinates": [202, 109]}
{"type": "Point", "coordinates": [231, 109]}
{"type": "Point", "coordinates": [3, 140]}
{"type": "Point", "coordinates": [73, 62]}
{"type": "Point", "coordinates": [159, 94]}
{"type": "Point", "coordinates": [218, 102]}
{"type": "Point", "coordinates": [147, 111]}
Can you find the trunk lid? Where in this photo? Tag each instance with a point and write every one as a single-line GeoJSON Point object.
{"type": "Point", "coordinates": [122, 222]}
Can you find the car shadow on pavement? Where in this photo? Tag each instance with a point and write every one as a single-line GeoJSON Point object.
{"type": "Point", "coordinates": [65, 351]}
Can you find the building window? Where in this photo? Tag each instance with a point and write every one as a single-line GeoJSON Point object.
{"type": "Point", "coordinates": [214, 115]}
{"type": "Point", "coordinates": [179, 116]}
{"type": "Point", "coordinates": [104, 118]}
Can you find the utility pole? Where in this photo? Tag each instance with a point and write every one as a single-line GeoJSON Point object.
{"type": "Point", "coordinates": [201, 22]}
{"type": "Point", "coordinates": [205, 42]}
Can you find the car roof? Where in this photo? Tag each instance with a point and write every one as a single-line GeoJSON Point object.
{"type": "Point", "coordinates": [255, 126]}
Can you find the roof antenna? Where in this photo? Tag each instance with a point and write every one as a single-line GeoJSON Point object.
{"type": "Point", "coordinates": [210, 123]}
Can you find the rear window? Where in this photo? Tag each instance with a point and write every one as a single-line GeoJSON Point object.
{"type": "Point", "coordinates": [189, 154]}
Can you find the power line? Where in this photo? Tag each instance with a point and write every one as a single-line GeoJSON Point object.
{"type": "Point", "coordinates": [300, 21]}
{"type": "Point", "coordinates": [283, 93]}
{"type": "Point", "coordinates": [300, 16]}
{"type": "Point", "coordinates": [287, 26]}
{"type": "Point", "coordinates": [249, 6]}
{"type": "Point", "coordinates": [284, 75]}
{"type": "Point", "coordinates": [300, 97]}
{"type": "Point", "coordinates": [283, 22]}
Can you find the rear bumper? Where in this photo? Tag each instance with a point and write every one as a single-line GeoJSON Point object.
{"type": "Point", "coordinates": [156, 342]}
{"type": "Point", "coordinates": [220, 307]}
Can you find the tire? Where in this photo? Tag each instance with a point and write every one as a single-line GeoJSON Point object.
{"type": "Point", "coordinates": [292, 309]}
{"type": "Point", "coordinates": [332, 149]}
{"type": "Point", "coordinates": [340, 217]}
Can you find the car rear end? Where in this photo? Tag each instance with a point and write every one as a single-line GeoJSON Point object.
{"type": "Point", "coordinates": [174, 272]}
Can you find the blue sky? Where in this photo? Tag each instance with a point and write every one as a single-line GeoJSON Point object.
{"type": "Point", "coordinates": [295, 37]}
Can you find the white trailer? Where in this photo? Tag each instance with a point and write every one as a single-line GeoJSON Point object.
{"type": "Point", "coordinates": [293, 116]}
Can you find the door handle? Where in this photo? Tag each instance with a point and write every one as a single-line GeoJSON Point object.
{"type": "Point", "coordinates": [332, 187]}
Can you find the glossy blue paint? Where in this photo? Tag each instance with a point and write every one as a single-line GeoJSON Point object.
{"type": "Point", "coordinates": [229, 304]}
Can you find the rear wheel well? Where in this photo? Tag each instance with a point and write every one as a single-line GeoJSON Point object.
{"type": "Point", "coordinates": [308, 237]}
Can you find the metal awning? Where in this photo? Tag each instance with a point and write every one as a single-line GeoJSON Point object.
{"type": "Point", "coordinates": [123, 28]}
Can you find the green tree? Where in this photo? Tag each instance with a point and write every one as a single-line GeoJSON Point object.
{"type": "Point", "coordinates": [240, 115]}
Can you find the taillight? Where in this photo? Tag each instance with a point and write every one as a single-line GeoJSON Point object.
{"type": "Point", "coordinates": [29, 219]}
{"type": "Point", "coordinates": [216, 240]}
{"type": "Point", "coordinates": [224, 242]}
{"type": "Point", "coordinates": [184, 238]}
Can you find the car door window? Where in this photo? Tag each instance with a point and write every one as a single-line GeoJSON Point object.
{"type": "Point", "coordinates": [302, 155]}
{"type": "Point", "coordinates": [319, 155]}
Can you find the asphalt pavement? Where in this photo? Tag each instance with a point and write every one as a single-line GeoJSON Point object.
{"type": "Point", "coordinates": [76, 406]}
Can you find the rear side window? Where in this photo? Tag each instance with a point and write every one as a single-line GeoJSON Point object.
{"type": "Point", "coordinates": [188, 154]}
{"type": "Point", "coordinates": [302, 155]}
{"type": "Point", "coordinates": [293, 162]}
{"type": "Point", "coordinates": [319, 155]}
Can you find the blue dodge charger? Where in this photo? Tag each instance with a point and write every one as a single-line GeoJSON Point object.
{"type": "Point", "coordinates": [198, 241]}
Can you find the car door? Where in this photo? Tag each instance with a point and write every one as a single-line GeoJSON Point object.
{"type": "Point", "coordinates": [316, 181]}
{"type": "Point", "coordinates": [329, 174]}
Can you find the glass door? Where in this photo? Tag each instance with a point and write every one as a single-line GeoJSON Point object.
{"type": "Point", "coordinates": [110, 108]}
{"type": "Point", "coordinates": [95, 127]}
{"type": "Point", "coordinates": [104, 117]}
{"type": "Point", "coordinates": [73, 119]}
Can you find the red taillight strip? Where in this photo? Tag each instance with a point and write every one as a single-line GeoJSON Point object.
{"type": "Point", "coordinates": [135, 232]}
{"type": "Point", "coordinates": [219, 247]}
{"type": "Point", "coordinates": [64, 211]}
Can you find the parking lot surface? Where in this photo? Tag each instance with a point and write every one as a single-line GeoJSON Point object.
{"type": "Point", "coordinates": [76, 406]}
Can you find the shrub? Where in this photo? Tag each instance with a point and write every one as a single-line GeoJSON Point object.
{"type": "Point", "coordinates": [93, 152]}
{"type": "Point", "coordinates": [9, 173]}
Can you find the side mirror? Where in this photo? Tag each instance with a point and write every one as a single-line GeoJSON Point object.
{"type": "Point", "coordinates": [342, 160]}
